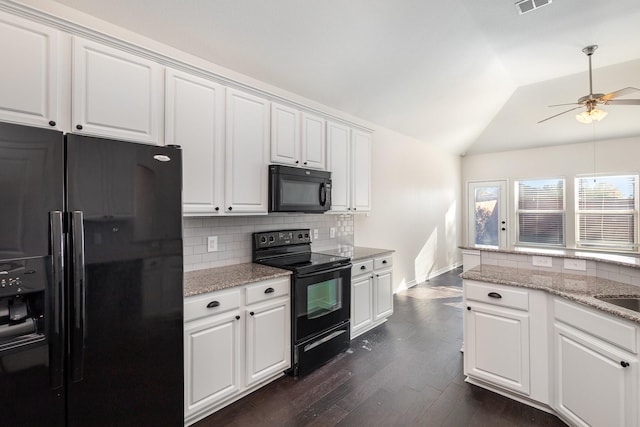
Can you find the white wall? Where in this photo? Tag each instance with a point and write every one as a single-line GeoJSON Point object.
{"type": "Point", "coordinates": [415, 207]}
{"type": "Point", "coordinates": [599, 157]}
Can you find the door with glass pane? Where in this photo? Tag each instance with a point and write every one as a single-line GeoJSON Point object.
{"type": "Point", "coordinates": [487, 213]}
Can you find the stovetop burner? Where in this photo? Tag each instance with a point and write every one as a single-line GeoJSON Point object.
{"type": "Point", "coordinates": [291, 250]}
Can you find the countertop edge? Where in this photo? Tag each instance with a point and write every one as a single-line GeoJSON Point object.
{"type": "Point", "coordinates": [617, 289]}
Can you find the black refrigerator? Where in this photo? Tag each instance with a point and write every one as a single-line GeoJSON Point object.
{"type": "Point", "coordinates": [91, 281]}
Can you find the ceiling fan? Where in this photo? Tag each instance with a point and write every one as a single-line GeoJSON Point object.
{"type": "Point", "coordinates": [591, 101]}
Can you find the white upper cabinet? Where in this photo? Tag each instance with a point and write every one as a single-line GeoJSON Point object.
{"type": "Point", "coordinates": [314, 146]}
{"type": "Point", "coordinates": [246, 153]}
{"type": "Point", "coordinates": [297, 138]}
{"type": "Point", "coordinates": [115, 94]}
{"type": "Point", "coordinates": [285, 135]}
{"type": "Point", "coordinates": [350, 167]}
{"type": "Point", "coordinates": [30, 86]}
{"type": "Point", "coordinates": [339, 160]}
{"type": "Point", "coordinates": [361, 171]}
{"type": "Point", "coordinates": [194, 119]}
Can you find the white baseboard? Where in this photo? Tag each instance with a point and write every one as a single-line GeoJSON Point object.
{"type": "Point", "coordinates": [433, 274]}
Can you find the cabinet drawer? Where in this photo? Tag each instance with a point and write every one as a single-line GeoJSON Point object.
{"type": "Point", "coordinates": [602, 325]}
{"type": "Point", "coordinates": [497, 295]}
{"type": "Point", "coordinates": [210, 304]}
{"type": "Point", "coordinates": [383, 262]}
{"type": "Point", "coordinates": [268, 289]}
{"type": "Point", "coordinates": [362, 267]}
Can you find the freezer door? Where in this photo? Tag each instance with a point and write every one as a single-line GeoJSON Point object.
{"type": "Point", "coordinates": [125, 290]}
{"type": "Point", "coordinates": [31, 346]}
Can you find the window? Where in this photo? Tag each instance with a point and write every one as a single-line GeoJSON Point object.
{"type": "Point", "coordinates": [540, 211]}
{"type": "Point", "coordinates": [607, 212]}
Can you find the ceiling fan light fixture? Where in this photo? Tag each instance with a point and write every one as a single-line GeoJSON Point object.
{"type": "Point", "coordinates": [588, 117]}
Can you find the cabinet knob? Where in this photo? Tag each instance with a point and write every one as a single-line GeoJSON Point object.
{"type": "Point", "coordinates": [469, 308]}
{"type": "Point", "coordinates": [213, 304]}
{"type": "Point", "coordinates": [251, 313]}
{"type": "Point", "coordinates": [297, 161]}
{"type": "Point", "coordinates": [217, 208]}
{"type": "Point", "coordinates": [624, 364]}
{"type": "Point", "coordinates": [305, 163]}
{"type": "Point", "coordinates": [384, 261]}
{"type": "Point", "coordinates": [79, 127]}
{"type": "Point", "coordinates": [230, 208]}
{"type": "Point", "coordinates": [494, 295]}
{"type": "Point", "coordinates": [269, 291]}
{"type": "Point", "coordinates": [503, 229]}
{"type": "Point", "coordinates": [237, 317]}
{"type": "Point", "coordinates": [52, 123]}
{"type": "Point", "coordinates": [363, 267]}
{"type": "Point", "coordinates": [355, 209]}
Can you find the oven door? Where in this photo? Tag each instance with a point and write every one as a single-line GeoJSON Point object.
{"type": "Point", "coordinates": [322, 300]}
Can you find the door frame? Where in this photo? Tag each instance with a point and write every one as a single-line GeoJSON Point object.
{"type": "Point", "coordinates": [503, 213]}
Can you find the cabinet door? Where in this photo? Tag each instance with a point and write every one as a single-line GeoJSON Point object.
{"type": "Point", "coordinates": [361, 303]}
{"type": "Point", "coordinates": [285, 135]}
{"type": "Point", "coordinates": [29, 87]}
{"type": "Point", "coordinates": [361, 172]}
{"type": "Point", "coordinates": [194, 119]}
{"type": "Point", "coordinates": [115, 94]}
{"type": "Point", "coordinates": [268, 344]}
{"type": "Point", "coordinates": [247, 148]}
{"type": "Point", "coordinates": [383, 293]}
{"type": "Point", "coordinates": [497, 346]}
{"type": "Point", "coordinates": [593, 388]}
{"type": "Point", "coordinates": [339, 164]}
{"type": "Point", "coordinates": [212, 360]}
{"type": "Point", "coordinates": [314, 146]}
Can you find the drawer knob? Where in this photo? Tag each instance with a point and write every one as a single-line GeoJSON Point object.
{"type": "Point", "coordinates": [269, 291]}
{"type": "Point", "coordinates": [213, 304]}
{"type": "Point", "coordinates": [237, 317]}
{"type": "Point", "coordinates": [251, 313]}
{"type": "Point", "coordinates": [384, 261]}
{"type": "Point", "coordinates": [469, 308]}
{"type": "Point", "coordinates": [624, 364]}
{"type": "Point", "coordinates": [494, 295]}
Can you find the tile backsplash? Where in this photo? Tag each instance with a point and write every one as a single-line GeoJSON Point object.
{"type": "Point", "coordinates": [234, 235]}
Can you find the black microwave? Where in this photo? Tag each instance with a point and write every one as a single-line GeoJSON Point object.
{"type": "Point", "coordinates": [299, 190]}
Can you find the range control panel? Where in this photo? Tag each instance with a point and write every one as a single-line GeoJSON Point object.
{"type": "Point", "coordinates": [270, 239]}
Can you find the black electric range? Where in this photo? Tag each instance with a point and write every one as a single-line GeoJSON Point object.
{"type": "Point", "coordinates": [320, 295]}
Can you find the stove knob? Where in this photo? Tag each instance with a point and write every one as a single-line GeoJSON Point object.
{"type": "Point", "coordinates": [263, 239]}
{"type": "Point", "coordinates": [300, 236]}
{"type": "Point", "coordinates": [306, 235]}
{"type": "Point", "coordinates": [272, 239]}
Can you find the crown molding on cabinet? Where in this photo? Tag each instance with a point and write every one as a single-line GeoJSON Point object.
{"type": "Point", "coordinates": [73, 28]}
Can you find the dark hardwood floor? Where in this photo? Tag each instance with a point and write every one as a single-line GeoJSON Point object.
{"type": "Point", "coordinates": [406, 372]}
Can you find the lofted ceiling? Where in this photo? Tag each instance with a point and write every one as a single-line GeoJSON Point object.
{"type": "Point", "coordinates": [470, 76]}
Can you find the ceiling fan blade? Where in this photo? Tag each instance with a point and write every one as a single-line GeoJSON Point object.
{"type": "Point", "coordinates": [559, 114]}
{"type": "Point", "coordinates": [562, 105]}
{"type": "Point", "coordinates": [623, 102]}
{"type": "Point", "coordinates": [621, 92]}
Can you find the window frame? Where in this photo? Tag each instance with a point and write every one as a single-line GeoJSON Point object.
{"type": "Point", "coordinates": [603, 245]}
{"type": "Point", "coordinates": [562, 211]}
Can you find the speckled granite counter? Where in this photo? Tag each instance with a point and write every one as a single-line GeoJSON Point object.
{"type": "Point", "coordinates": [630, 260]}
{"type": "Point", "coordinates": [213, 279]}
{"type": "Point", "coordinates": [356, 252]}
{"type": "Point", "coordinates": [579, 288]}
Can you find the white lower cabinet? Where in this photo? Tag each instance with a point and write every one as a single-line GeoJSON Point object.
{"type": "Point", "coordinates": [371, 293]}
{"type": "Point", "coordinates": [235, 341]}
{"type": "Point", "coordinates": [596, 373]}
{"type": "Point", "coordinates": [566, 358]}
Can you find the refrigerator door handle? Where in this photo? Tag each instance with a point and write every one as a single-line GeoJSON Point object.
{"type": "Point", "coordinates": [56, 346]}
{"type": "Point", "coordinates": [78, 329]}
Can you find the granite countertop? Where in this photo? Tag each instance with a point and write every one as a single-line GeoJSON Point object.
{"type": "Point", "coordinates": [630, 260]}
{"type": "Point", "coordinates": [356, 253]}
{"type": "Point", "coordinates": [214, 279]}
{"type": "Point", "coordinates": [580, 288]}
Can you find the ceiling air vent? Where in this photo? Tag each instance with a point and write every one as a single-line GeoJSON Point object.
{"type": "Point", "coordinates": [525, 6]}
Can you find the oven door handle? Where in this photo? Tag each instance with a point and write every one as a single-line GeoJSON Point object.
{"type": "Point", "coordinates": [317, 273]}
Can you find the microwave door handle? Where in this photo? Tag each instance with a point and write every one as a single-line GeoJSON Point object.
{"type": "Point", "coordinates": [323, 194]}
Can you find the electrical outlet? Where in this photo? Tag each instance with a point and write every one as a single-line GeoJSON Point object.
{"type": "Point", "coordinates": [332, 232]}
{"type": "Point", "coordinates": [315, 233]}
{"type": "Point", "coordinates": [212, 244]}
{"type": "Point", "coordinates": [575, 264]}
{"type": "Point", "coordinates": [542, 261]}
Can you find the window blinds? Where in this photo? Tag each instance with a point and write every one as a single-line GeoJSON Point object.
{"type": "Point", "coordinates": [540, 211]}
